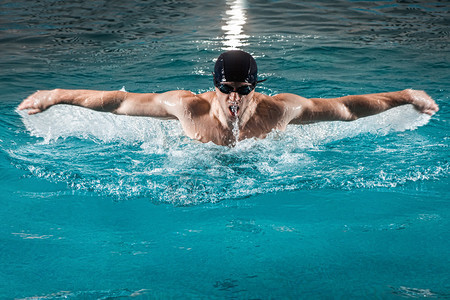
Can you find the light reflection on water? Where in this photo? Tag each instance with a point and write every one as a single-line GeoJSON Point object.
{"type": "Point", "coordinates": [234, 20]}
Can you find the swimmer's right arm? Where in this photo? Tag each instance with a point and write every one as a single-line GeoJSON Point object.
{"type": "Point", "coordinates": [165, 105]}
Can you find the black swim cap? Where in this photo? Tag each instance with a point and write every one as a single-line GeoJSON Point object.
{"type": "Point", "coordinates": [235, 65]}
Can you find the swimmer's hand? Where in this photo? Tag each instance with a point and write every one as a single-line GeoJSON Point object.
{"type": "Point", "coordinates": [421, 101]}
{"type": "Point", "coordinates": [39, 101]}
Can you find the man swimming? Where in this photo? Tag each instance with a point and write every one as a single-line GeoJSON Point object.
{"type": "Point", "coordinates": [212, 116]}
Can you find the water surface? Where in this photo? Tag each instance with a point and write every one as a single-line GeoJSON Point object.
{"type": "Point", "coordinates": [102, 206]}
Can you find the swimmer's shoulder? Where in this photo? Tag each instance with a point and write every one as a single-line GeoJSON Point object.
{"type": "Point", "coordinates": [268, 105]}
{"type": "Point", "coordinates": [288, 97]}
{"type": "Point", "coordinates": [282, 100]}
{"type": "Point", "coordinates": [188, 96]}
{"type": "Point", "coordinates": [283, 97]}
{"type": "Point", "coordinates": [198, 104]}
{"type": "Point", "coordinates": [280, 106]}
{"type": "Point", "coordinates": [182, 101]}
{"type": "Point", "coordinates": [207, 96]}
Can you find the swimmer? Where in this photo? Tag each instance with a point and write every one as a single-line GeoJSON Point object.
{"type": "Point", "coordinates": [211, 116]}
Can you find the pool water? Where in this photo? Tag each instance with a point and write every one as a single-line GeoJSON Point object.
{"type": "Point", "coordinates": [99, 206]}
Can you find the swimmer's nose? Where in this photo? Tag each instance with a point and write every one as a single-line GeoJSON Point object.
{"type": "Point", "coordinates": [234, 96]}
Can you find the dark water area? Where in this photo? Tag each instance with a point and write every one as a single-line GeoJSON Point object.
{"type": "Point", "coordinates": [63, 39]}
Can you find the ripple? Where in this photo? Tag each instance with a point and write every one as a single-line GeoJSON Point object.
{"type": "Point", "coordinates": [102, 294]}
{"type": "Point", "coordinates": [409, 292]}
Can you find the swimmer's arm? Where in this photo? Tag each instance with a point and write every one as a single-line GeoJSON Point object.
{"type": "Point", "coordinates": [165, 105]}
{"type": "Point", "coordinates": [350, 108]}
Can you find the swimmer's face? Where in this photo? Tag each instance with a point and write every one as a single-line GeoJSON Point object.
{"type": "Point", "coordinates": [233, 95]}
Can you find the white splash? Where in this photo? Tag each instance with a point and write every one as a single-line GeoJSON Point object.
{"type": "Point", "coordinates": [64, 121]}
{"type": "Point", "coordinates": [394, 120]}
{"type": "Point", "coordinates": [235, 129]}
{"type": "Point", "coordinates": [128, 157]}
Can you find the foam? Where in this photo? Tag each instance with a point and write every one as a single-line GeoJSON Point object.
{"type": "Point", "coordinates": [63, 121]}
{"type": "Point", "coordinates": [128, 157]}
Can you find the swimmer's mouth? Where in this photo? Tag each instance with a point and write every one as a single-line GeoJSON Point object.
{"type": "Point", "coordinates": [234, 109]}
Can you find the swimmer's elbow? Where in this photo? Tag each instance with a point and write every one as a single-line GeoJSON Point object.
{"type": "Point", "coordinates": [349, 117]}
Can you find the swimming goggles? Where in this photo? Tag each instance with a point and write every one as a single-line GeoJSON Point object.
{"type": "Point", "coordinates": [242, 90]}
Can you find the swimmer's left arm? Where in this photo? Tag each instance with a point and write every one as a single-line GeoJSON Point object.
{"type": "Point", "coordinates": [95, 100]}
{"type": "Point", "coordinates": [165, 105]}
{"type": "Point", "coordinates": [350, 108]}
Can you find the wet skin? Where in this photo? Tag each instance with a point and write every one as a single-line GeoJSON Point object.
{"type": "Point", "coordinates": [211, 116]}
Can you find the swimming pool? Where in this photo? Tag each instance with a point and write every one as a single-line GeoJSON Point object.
{"type": "Point", "coordinates": [98, 206]}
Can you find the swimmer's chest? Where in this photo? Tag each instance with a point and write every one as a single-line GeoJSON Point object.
{"type": "Point", "coordinates": [206, 129]}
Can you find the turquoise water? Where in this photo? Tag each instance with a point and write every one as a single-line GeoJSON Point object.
{"type": "Point", "coordinates": [98, 206]}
